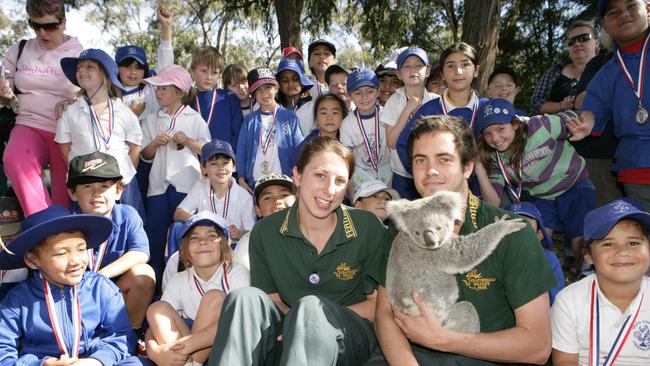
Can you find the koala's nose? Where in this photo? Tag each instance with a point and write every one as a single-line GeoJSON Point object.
{"type": "Point", "coordinates": [429, 238]}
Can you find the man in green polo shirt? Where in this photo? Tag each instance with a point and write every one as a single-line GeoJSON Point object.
{"type": "Point", "coordinates": [509, 289]}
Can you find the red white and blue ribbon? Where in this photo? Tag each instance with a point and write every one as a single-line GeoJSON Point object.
{"type": "Point", "coordinates": [638, 86]}
{"type": "Point", "coordinates": [98, 129]}
{"type": "Point", "coordinates": [95, 265]}
{"type": "Point", "coordinates": [594, 331]}
{"type": "Point", "coordinates": [226, 202]}
{"type": "Point", "coordinates": [225, 285]}
{"type": "Point", "coordinates": [504, 173]}
{"type": "Point", "coordinates": [172, 121]}
{"type": "Point", "coordinates": [475, 105]}
{"type": "Point", "coordinates": [214, 102]}
{"type": "Point", "coordinates": [199, 288]}
{"type": "Point", "coordinates": [372, 149]}
{"type": "Point", "coordinates": [56, 327]}
{"type": "Point", "coordinates": [267, 138]}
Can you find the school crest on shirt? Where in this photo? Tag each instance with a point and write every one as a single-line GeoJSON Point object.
{"type": "Point", "coordinates": [474, 280]}
{"type": "Point", "coordinates": [286, 129]}
{"type": "Point", "coordinates": [641, 335]}
{"type": "Point", "coordinates": [344, 272]}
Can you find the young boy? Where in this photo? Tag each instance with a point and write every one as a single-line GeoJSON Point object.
{"type": "Point", "coordinates": [604, 317]}
{"type": "Point", "coordinates": [435, 82]}
{"type": "Point", "coordinates": [217, 192]}
{"type": "Point", "coordinates": [11, 215]}
{"type": "Point", "coordinates": [502, 83]}
{"type": "Point", "coordinates": [361, 130]}
{"type": "Point", "coordinates": [234, 79]}
{"type": "Point", "coordinates": [321, 54]}
{"type": "Point", "coordinates": [372, 195]}
{"type": "Point", "coordinates": [95, 183]}
{"type": "Point", "coordinates": [412, 70]}
{"type": "Point", "coordinates": [62, 314]}
{"type": "Point", "coordinates": [220, 108]}
{"type": "Point", "coordinates": [388, 82]}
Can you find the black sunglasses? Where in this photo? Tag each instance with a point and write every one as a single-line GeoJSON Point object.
{"type": "Point", "coordinates": [49, 27]}
{"type": "Point", "coordinates": [584, 37]}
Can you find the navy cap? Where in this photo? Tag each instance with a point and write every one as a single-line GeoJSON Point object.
{"type": "Point", "coordinates": [69, 65]}
{"type": "Point", "coordinates": [321, 42]}
{"type": "Point", "coordinates": [215, 147]}
{"type": "Point", "coordinates": [206, 218]}
{"type": "Point", "coordinates": [295, 66]}
{"type": "Point", "coordinates": [135, 52]}
{"type": "Point", "coordinates": [412, 51]}
{"type": "Point", "coordinates": [600, 221]}
{"type": "Point", "coordinates": [362, 77]}
{"type": "Point", "coordinates": [529, 209]}
{"type": "Point", "coordinates": [495, 111]}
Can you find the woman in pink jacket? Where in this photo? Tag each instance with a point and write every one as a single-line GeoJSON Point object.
{"type": "Point", "coordinates": [38, 77]}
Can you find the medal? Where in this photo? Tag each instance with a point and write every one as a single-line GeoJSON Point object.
{"type": "Point", "coordinates": [225, 285]}
{"type": "Point", "coordinates": [371, 149]}
{"type": "Point", "coordinates": [516, 193]}
{"type": "Point", "coordinates": [266, 168]}
{"type": "Point", "coordinates": [314, 278]}
{"type": "Point", "coordinates": [226, 202]}
{"type": "Point", "coordinates": [56, 327]}
{"type": "Point", "coordinates": [214, 102]}
{"type": "Point", "coordinates": [95, 265]}
{"type": "Point", "coordinates": [98, 130]}
{"type": "Point", "coordinates": [641, 113]}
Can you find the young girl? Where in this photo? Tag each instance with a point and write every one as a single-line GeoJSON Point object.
{"type": "Point", "coordinates": [270, 136]}
{"type": "Point", "coordinates": [183, 323]}
{"type": "Point", "coordinates": [293, 84]}
{"type": "Point", "coordinates": [173, 138]}
{"type": "Point", "coordinates": [329, 112]}
{"type": "Point", "coordinates": [321, 54]}
{"type": "Point", "coordinates": [534, 162]}
{"type": "Point", "coordinates": [234, 79]}
{"type": "Point", "coordinates": [99, 121]}
{"type": "Point", "coordinates": [604, 318]}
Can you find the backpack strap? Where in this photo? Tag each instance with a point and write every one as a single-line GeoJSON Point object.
{"type": "Point", "coordinates": [21, 46]}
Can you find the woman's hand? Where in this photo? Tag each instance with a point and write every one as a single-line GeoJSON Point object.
{"type": "Point", "coordinates": [567, 103]}
{"type": "Point", "coordinates": [6, 93]}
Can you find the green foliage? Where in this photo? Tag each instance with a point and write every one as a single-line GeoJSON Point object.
{"type": "Point", "coordinates": [12, 30]}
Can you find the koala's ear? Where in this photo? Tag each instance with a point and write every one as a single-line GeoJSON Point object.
{"type": "Point", "coordinates": [397, 210]}
{"type": "Point", "coordinates": [450, 202]}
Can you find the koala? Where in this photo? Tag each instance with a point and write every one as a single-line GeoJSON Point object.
{"type": "Point", "coordinates": [426, 254]}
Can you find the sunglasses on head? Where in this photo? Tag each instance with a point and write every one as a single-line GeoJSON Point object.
{"type": "Point", "coordinates": [584, 37]}
{"type": "Point", "coordinates": [45, 26]}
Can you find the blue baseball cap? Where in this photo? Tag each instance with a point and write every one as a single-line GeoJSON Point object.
{"type": "Point", "coordinates": [600, 221]}
{"type": "Point", "coordinates": [53, 220]}
{"type": "Point", "coordinates": [295, 66]}
{"type": "Point", "coordinates": [412, 51]}
{"type": "Point", "coordinates": [69, 65]}
{"type": "Point", "coordinates": [135, 52]}
{"type": "Point", "coordinates": [495, 111]}
{"type": "Point", "coordinates": [529, 209]}
{"type": "Point", "coordinates": [362, 77]}
{"type": "Point", "coordinates": [206, 218]}
{"type": "Point", "coordinates": [215, 147]}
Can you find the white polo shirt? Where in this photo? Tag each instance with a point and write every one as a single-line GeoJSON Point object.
{"type": "Point", "coordinates": [571, 315]}
{"type": "Point", "coordinates": [76, 128]}
{"type": "Point", "coordinates": [179, 168]}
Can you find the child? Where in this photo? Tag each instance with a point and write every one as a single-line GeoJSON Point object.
{"type": "Point", "coordinates": [293, 84]}
{"type": "Point", "coordinates": [100, 121]}
{"type": "Point", "coordinates": [534, 217]}
{"type": "Point", "coordinates": [234, 79]}
{"type": "Point", "coordinates": [220, 108]}
{"type": "Point", "coordinates": [95, 183]}
{"type": "Point", "coordinates": [189, 310]}
{"type": "Point", "coordinates": [11, 215]}
{"type": "Point", "coordinates": [388, 81]}
{"type": "Point", "coordinates": [412, 70]}
{"type": "Point", "coordinates": [133, 68]}
{"type": "Point", "coordinates": [292, 53]}
{"type": "Point", "coordinates": [217, 192]}
{"type": "Point", "coordinates": [534, 162]}
{"type": "Point", "coordinates": [329, 112]}
{"type": "Point", "coordinates": [270, 136]}
{"type": "Point", "coordinates": [604, 317]}
{"type": "Point", "coordinates": [502, 83]}
{"type": "Point", "coordinates": [361, 130]}
{"type": "Point", "coordinates": [62, 314]}
{"type": "Point", "coordinates": [321, 54]}
{"type": "Point", "coordinates": [435, 82]}
{"type": "Point", "coordinates": [372, 196]}
{"type": "Point", "coordinates": [173, 138]}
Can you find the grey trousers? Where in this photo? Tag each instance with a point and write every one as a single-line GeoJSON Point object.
{"type": "Point", "coordinates": [315, 332]}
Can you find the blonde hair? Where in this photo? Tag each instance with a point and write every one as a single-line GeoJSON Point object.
{"type": "Point", "coordinates": [224, 248]}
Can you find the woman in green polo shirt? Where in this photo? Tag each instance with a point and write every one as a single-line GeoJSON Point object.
{"type": "Point", "coordinates": [314, 268]}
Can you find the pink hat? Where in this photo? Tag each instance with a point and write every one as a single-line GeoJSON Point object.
{"type": "Point", "coordinates": [172, 75]}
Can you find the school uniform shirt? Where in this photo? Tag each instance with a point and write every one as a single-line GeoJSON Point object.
{"type": "Point", "coordinates": [610, 96]}
{"type": "Point", "coordinates": [305, 116]}
{"type": "Point", "coordinates": [221, 110]}
{"type": "Point", "coordinates": [550, 165]}
{"type": "Point", "coordinates": [438, 106]}
{"type": "Point", "coordinates": [360, 133]}
{"type": "Point", "coordinates": [180, 168]}
{"type": "Point", "coordinates": [287, 138]}
{"type": "Point", "coordinates": [185, 289]}
{"type": "Point", "coordinates": [269, 161]}
{"type": "Point", "coordinates": [391, 112]}
{"type": "Point", "coordinates": [318, 89]}
{"type": "Point", "coordinates": [147, 93]}
{"type": "Point", "coordinates": [128, 235]}
{"type": "Point", "coordinates": [27, 337]}
{"type": "Point", "coordinates": [571, 318]}
{"type": "Point", "coordinates": [241, 253]}
{"type": "Point", "coordinates": [236, 206]}
{"type": "Point", "coordinates": [116, 128]}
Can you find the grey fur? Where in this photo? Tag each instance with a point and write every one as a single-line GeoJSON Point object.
{"type": "Point", "coordinates": [426, 254]}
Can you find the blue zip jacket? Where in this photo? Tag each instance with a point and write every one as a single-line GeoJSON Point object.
{"type": "Point", "coordinates": [227, 117]}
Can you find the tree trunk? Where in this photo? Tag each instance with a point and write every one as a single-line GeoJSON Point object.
{"type": "Point", "coordinates": [289, 13]}
{"type": "Point", "coordinates": [481, 24]}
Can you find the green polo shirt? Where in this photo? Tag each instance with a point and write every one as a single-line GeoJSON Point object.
{"type": "Point", "coordinates": [282, 259]}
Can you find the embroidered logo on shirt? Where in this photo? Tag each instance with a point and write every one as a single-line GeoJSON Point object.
{"type": "Point", "coordinates": [475, 281]}
{"type": "Point", "coordinates": [344, 272]}
{"type": "Point", "coordinates": [348, 226]}
{"type": "Point", "coordinates": [286, 129]}
{"type": "Point", "coordinates": [641, 335]}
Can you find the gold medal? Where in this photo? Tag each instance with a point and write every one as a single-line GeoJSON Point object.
{"type": "Point", "coordinates": [641, 115]}
{"type": "Point", "coordinates": [266, 168]}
